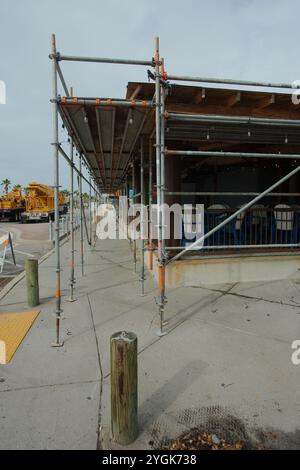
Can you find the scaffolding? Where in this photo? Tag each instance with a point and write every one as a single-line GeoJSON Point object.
{"type": "Point", "coordinates": [145, 124]}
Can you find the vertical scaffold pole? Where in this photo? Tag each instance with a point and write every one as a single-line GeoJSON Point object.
{"type": "Point", "coordinates": [72, 262]}
{"type": "Point", "coordinates": [81, 215]}
{"type": "Point", "coordinates": [94, 216]}
{"type": "Point", "coordinates": [150, 209]}
{"type": "Point", "coordinates": [127, 202]}
{"type": "Point", "coordinates": [55, 144]}
{"type": "Point", "coordinates": [162, 162]}
{"type": "Point", "coordinates": [90, 210]}
{"type": "Point", "coordinates": [128, 217]}
{"type": "Point", "coordinates": [161, 265]}
{"type": "Point", "coordinates": [133, 200]}
{"type": "Point", "coordinates": [143, 215]}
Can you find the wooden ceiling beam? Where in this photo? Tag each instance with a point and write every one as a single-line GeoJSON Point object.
{"type": "Point", "coordinates": [233, 99]}
{"type": "Point", "coordinates": [265, 102]}
{"type": "Point", "coordinates": [288, 112]}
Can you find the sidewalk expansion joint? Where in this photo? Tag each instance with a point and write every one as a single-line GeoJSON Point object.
{"type": "Point", "coordinates": [249, 297]}
{"type": "Point", "coordinates": [98, 443]}
{"type": "Point", "coordinates": [61, 384]}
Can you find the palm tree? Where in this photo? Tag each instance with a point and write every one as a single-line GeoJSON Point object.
{"type": "Point", "coordinates": [85, 199]}
{"type": "Point", "coordinates": [6, 183]}
{"type": "Point", "coordinates": [76, 198]}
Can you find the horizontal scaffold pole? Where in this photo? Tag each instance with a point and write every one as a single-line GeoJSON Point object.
{"type": "Point", "coordinates": [229, 81]}
{"type": "Point", "coordinates": [104, 60]}
{"type": "Point", "coordinates": [106, 102]}
{"type": "Point", "coordinates": [239, 247]}
{"type": "Point", "coordinates": [234, 215]}
{"type": "Point", "coordinates": [224, 193]}
{"type": "Point", "coordinates": [247, 120]}
{"type": "Point", "coordinates": [211, 153]}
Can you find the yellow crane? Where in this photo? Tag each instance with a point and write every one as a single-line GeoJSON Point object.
{"type": "Point", "coordinates": [12, 205]}
{"type": "Point", "coordinates": [39, 202]}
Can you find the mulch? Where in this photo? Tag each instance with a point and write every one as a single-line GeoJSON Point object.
{"type": "Point", "coordinates": [199, 440]}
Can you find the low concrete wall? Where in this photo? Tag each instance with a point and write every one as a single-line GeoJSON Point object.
{"type": "Point", "coordinates": [229, 269]}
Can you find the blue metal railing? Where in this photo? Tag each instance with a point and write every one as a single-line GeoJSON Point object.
{"type": "Point", "coordinates": [260, 227]}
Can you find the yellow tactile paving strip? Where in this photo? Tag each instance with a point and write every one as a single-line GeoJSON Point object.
{"type": "Point", "coordinates": [13, 329]}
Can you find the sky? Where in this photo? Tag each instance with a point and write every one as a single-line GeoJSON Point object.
{"type": "Point", "coordinates": [241, 39]}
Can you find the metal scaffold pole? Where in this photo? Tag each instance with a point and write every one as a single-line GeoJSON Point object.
{"type": "Point", "coordinates": [90, 210]}
{"type": "Point", "coordinates": [226, 81]}
{"type": "Point", "coordinates": [72, 262]}
{"type": "Point", "coordinates": [150, 208]}
{"type": "Point", "coordinates": [247, 120]}
{"type": "Point", "coordinates": [161, 265]}
{"type": "Point", "coordinates": [162, 164]}
{"type": "Point", "coordinates": [105, 60]}
{"type": "Point", "coordinates": [81, 215]}
{"type": "Point", "coordinates": [222, 154]}
{"type": "Point", "coordinates": [134, 240]}
{"type": "Point", "coordinates": [94, 218]}
{"type": "Point", "coordinates": [143, 215]}
{"type": "Point", "coordinates": [127, 202]}
{"type": "Point", "coordinates": [55, 144]}
{"type": "Point", "coordinates": [107, 102]}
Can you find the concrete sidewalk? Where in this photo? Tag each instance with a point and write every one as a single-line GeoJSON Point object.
{"type": "Point", "coordinates": [225, 364]}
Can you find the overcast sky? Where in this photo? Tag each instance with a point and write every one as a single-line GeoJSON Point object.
{"type": "Point", "coordinates": [244, 39]}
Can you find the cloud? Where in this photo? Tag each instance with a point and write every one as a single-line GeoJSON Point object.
{"type": "Point", "coordinates": [254, 39]}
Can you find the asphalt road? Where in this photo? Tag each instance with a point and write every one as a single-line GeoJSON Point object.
{"type": "Point", "coordinates": [29, 240]}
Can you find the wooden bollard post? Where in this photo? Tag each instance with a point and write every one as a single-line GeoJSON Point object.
{"type": "Point", "coordinates": [32, 282]}
{"type": "Point", "coordinates": [124, 400]}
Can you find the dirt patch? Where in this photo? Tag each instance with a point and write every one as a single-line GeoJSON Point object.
{"type": "Point", "coordinates": [215, 428]}
{"type": "Point", "coordinates": [200, 440]}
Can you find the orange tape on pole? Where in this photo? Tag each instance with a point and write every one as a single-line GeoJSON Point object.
{"type": "Point", "coordinates": [161, 279]}
{"type": "Point", "coordinates": [151, 259]}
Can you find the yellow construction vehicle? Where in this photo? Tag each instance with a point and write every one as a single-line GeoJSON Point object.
{"type": "Point", "coordinates": [39, 201]}
{"type": "Point", "coordinates": [12, 205]}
